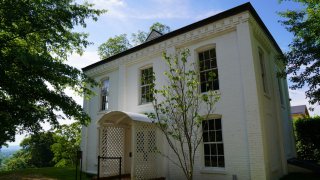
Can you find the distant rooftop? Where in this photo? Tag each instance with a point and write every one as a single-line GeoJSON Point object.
{"type": "Point", "coordinates": [300, 109]}
{"type": "Point", "coordinates": [153, 35]}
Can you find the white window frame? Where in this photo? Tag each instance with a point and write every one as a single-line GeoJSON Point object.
{"type": "Point", "coordinates": [107, 103]}
{"type": "Point", "coordinates": [202, 50]}
{"type": "Point", "coordinates": [140, 83]}
{"type": "Point", "coordinates": [213, 169]}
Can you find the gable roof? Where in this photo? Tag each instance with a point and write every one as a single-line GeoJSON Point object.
{"type": "Point", "coordinates": [236, 10]}
{"type": "Point", "coordinates": [153, 34]}
{"type": "Point", "coordinates": [301, 109]}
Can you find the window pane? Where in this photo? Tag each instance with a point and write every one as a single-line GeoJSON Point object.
{"type": "Point", "coordinates": [207, 149]}
{"type": "Point", "coordinates": [213, 148]}
{"type": "Point", "coordinates": [207, 161]}
{"type": "Point", "coordinates": [220, 149]}
{"type": "Point", "coordinates": [206, 55]}
{"type": "Point", "coordinates": [219, 136]}
{"type": "Point", "coordinates": [214, 160]}
{"type": "Point", "coordinates": [200, 57]}
{"type": "Point", "coordinates": [218, 124]}
{"type": "Point", "coordinates": [203, 87]}
{"type": "Point", "coordinates": [211, 124]}
{"type": "Point", "coordinates": [205, 136]}
{"type": "Point", "coordinates": [212, 136]}
{"type": "Point", "coordinates": [212, 53]}
{"type": "Point", "coordinates": [221, 161]}
{"type": "Point", "coordinates": [213, 63]}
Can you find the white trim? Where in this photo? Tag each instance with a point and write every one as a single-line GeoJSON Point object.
{"type": "Point", "coordinates": [132, 116]}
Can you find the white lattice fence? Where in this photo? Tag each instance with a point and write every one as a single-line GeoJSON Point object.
{"type": "Point", "coordinates": [111, 145]}
{"type": "Point", "coordinates": [145, 151]}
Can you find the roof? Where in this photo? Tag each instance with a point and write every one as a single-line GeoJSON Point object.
{"type": "Point", "coordinates": [113, 117]}
{"type": "Point", "coordinates": [153, 34]}
{"type": "Point", "coordinates": [301, 109]}
{"type": "Point", "coordinates": [236, 10]}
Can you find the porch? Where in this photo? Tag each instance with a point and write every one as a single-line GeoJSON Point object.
{"type": "Point", "coordinates": [128, 146]}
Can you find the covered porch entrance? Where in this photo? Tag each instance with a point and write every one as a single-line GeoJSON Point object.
{"type": "Point", "coordinates": [130, 138]}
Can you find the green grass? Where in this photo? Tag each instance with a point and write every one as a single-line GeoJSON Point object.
{"type": "Point", "coordinates": [49, 173]}
{"type": "Point", "coordinates": [301, 176]}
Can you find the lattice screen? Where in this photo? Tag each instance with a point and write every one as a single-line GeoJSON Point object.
{"type": "Point", "coordinates": [111, 145]}
{"type": "Point", "coordinates": [145, 151]}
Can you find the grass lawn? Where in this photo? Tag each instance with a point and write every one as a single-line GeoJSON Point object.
{"type": "Point", "coordinates": [301, 176]}
{"type": "Point", "coordinates": [50, 173]}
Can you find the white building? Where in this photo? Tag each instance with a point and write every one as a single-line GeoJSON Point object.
{"type": "Point", "coordinates": [252, 116]}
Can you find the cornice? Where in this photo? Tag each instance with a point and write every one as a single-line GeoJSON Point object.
{"type": "Point", "coordinates": [206, 31]}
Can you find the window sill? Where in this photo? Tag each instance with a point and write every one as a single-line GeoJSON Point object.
{"type": "Point", "coordinates": [211, 170]}
{"type": "Point", "coordinates": [215, 92]}
{"type": "Point", "coordinates": [103, 111]}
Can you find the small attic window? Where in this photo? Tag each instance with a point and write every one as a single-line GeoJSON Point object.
{"type": "Point", "coordinates": [153, 35]}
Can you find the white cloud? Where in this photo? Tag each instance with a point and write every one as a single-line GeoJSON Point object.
{"type": "Point", "coordinates": [108, 4]}
{"type": "Point", "coordinates": [154, 9]}
{"type": "Point", "coordinates": [88, 57]}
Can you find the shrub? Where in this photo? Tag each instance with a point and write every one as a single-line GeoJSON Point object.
{"type": "Point", "coordinates": [308, 138]}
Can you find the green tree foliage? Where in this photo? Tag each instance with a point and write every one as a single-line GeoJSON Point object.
{"type": "Point", "coordinates": [35, 152]}
{"type": "Point", "coordinates": [307, 132]}
{"type": "Point", "coordinates": [114, 46]}
{"type": "Point", "coordinates": [35, 40]}
{"type": "Point", "coordinates": [303, 57]}
{"type": "Point", "coordinates": [67, 143]}
{"type": "Point", "coordinates": [121, 43]}
{"type": "Point", "coordinates": [19, 160]}
{"type": "Point", "coordinates": [162, 28]}
{"type": "Point", "coordinates": [180, 109]}
{"type": "Point", "coordinates": [38, 148]}
{"type": "Point", "coordinates": [141, 36]}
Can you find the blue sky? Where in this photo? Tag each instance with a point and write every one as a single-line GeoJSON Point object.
{"type": "Point", "coordinates": [129, 16]}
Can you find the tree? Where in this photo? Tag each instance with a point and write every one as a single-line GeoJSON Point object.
{"type": "Point", "coordinates": [141, 36]}
{"type": "Point", "coordinates": [19, 160]}
{"type": "Point", "coordinates": [121, 43]}
{"type": "Point", "coordinates": [36, 38]}
{"type": "Point", "coordinates": [35, 152]}
{"type": "Point", "coordinates": [303, 57]}
{"type": "Point", "coordinates": [162, 28]}
{"type": "Point", "coordinates": [38, 147]}
{"type": "Point", "coordinates": [180, 109]}
{"type": "Point", "coordinates": [67, 143]}
{"type": "Point", "coordinates": [114, 46]}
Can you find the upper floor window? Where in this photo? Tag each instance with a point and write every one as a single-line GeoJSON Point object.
{"type": "Point", "coordinates": [208, 70]}
{"type": "Point", "coordinates": [146, 85]}
{"type": "Point", "coordinates": [263, 71]}
{"type": "Point", "coordinates": [105, 95]}
{"type": "Point", "coordinates": [212, 142]}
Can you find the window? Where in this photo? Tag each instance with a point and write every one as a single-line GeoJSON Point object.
{"type": "Point", "coordinates": [263, 72]}
{"type": "Point", "coordinates": [105, 95]}
{"type": "Point", "coordinates": [146, 85]}
{"type": "Point", "coordinates": [212, 142]}
{"type": "Point", "coordinates": [280, 91]}
{"type": "Point", "coordinates": [208, 70]}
